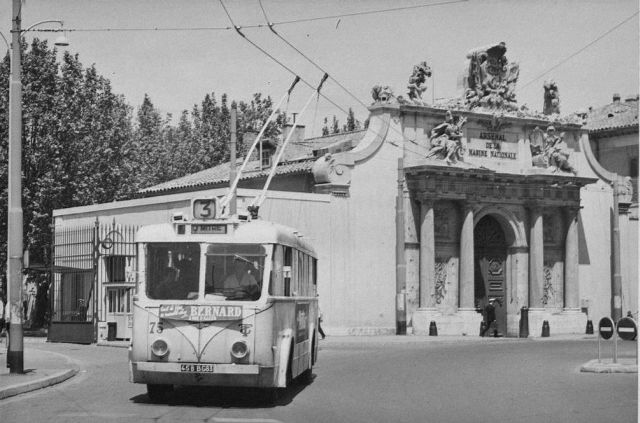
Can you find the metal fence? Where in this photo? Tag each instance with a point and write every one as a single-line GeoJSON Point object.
{"type": "Point", "coordinates": [86, 260]}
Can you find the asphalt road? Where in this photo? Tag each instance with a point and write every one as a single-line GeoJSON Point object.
{"type": "Point", "coordinates": [363, 380]}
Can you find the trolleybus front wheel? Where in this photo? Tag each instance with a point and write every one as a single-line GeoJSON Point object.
{"type": "Point", "coordinates": [158, 393]}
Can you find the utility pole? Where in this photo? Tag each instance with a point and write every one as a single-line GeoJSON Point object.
{"type": "Point", "coordinates": [616, 280]}
{"type": "Point", "coordinates": [15, 350]}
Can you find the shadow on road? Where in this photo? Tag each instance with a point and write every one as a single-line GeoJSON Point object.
{"type": "Point", "coordinates": [227, 397]}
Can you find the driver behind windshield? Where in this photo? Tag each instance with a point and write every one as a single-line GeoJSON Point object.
{"type": "Point", "coordinates": [241, 282]}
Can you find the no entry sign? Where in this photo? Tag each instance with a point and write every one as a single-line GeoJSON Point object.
{"type": "Point", "coordinates": [606, 327]}
{"type": "Point", "coordinates": [627, 329]}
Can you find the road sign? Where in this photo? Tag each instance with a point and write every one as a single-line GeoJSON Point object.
{"type": "Point", "coordinates": [627, 329]}
{"type": "Point", "coordinates": [605, 327]}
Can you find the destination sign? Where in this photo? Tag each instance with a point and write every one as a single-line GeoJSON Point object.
{"type": "Point", "coordinates": [209, 229]}
{"type": "Point", "coordinates": [200, 312]}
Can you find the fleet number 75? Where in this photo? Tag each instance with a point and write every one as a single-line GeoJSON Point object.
{"type": "Point", "coordinates": [157, 326]}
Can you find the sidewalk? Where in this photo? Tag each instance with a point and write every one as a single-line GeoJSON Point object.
{"type": "Point", "coordinates": [42, 369]}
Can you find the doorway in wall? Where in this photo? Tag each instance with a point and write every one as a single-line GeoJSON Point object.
{"type": "Point", "coordinates": [490, 274]}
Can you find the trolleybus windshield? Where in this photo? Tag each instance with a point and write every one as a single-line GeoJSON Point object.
{"type": "Point", "coordinates": [172, 270]}
{"type": "Point", "coordinates": [234, 271]}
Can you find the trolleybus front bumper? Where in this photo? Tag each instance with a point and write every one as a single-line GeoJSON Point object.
{"type": "Point", "coordinates": [212, 374]}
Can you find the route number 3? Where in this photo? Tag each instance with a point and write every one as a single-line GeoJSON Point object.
{"type": "Point", "coordinates": [157, 326]}
{"type": "Point", "coordinates": [204, 208]}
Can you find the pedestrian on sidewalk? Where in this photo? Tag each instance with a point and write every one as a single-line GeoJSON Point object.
{"type": "Point", "coordinates": [2, 313]}
{"type": "Point", "coordinates": [320, 331]}
{"type": "Point", "coordinates": [490, 317]}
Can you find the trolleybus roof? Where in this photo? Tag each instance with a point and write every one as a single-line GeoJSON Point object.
{"type": "Point", "coordinates": [254, 232]}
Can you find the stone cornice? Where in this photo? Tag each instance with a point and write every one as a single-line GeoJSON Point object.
{"type": "Point", "coordinates": [528, 122]}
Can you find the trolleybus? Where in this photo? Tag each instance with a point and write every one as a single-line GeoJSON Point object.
{"type": "Point", "coordinates": [223, 302]}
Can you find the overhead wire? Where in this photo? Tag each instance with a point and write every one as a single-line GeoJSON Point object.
{"type": "Point", "coordinates": [369, 12]}
{"type": "Point", "coordinates": [227, 28]}
{"type": "Point", "coordinates": [561, 62]}
{"type": "Point", "coordinates": [271, 25]}
{"type": "Point", "coordinates": [275, 59]}
{"type": "Point", "coordinates": [286, 67]}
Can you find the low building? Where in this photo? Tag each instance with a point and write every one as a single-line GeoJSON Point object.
{"type": "Point", "coordinates": [420, 219]}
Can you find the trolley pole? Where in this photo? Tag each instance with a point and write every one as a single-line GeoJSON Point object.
{"type": "Point", "coordinates": [401, 273]}
{"type": "Point", "coordinates": [15, 350]}
{"type": "Point", "coordinates": [233, 205]}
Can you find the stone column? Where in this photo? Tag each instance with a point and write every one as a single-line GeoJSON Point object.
{"type": "Point", "coordinates": [571, 254]}
{"type": "Point", "coordinates": [467, 272]}
{"type": "Point", "coordinates": [536, 258]}
{"type": "Point", "coordinates": [427, 254]}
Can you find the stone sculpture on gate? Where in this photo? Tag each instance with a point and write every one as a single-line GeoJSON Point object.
{"type": "Point", "coordinates": [551, 98]}
{"type": "Point", "coordinates": [381, 94]}
{"type": "Point", "coordinates": [553, 152]}
{"type": "Point", "coordinates": [446, 139]}
{"type": "Point", "coordinates": [491, 79]}
{"type": "Point", "coordinates": [418, 78]}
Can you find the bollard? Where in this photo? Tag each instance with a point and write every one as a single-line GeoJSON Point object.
{"type": "Point", "coordinates": [433, 329]}
{"type": "Point", "coordinates": [524, 322]}
{"type": "Point", "coordinates": [589, 327]}
{"type": "Point", "coordinates": [483, 328]}
{"type": "Point", "coordinates": [545, 329]}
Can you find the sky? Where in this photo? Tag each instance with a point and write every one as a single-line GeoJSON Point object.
{"type": "Point", "coordinates": [572, 42]}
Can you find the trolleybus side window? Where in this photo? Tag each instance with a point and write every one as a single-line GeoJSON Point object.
{"type": "Point", "coordinates": [287, 271]}
{"type": "Point", "coordinates": [234, 271]}
{"type": "Point", "coordinates": [314, 275]}
{"type": "Point", "coordinates": [276, 282]}
{"type": "Point", "coordinates": [172, 270]}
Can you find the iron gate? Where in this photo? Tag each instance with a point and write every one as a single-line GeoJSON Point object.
{"type": "Point", "coordinates": [88, 262]}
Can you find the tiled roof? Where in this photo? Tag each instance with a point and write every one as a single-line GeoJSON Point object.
{"type": "Point", "coordinates": [298, 159]}
{"type": "Point", "coordinates": [617, 115]}
{"type": "Point", "coordinates": [220, 174]}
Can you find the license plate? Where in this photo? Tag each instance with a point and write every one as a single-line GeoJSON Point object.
{"type": "Point", "coordinates": [196, 368]}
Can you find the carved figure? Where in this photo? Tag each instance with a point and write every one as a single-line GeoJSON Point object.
{"type": "Point", "coordinates": [551, 98]}
{"type": "Point", "coordinates": [491, 80]}
{"type": "Point", "coordinates": [556, 149]}
{"type": "Point", "coordinates": [446, 139]}
{"type": "Point", "coordinates": [381, 94]}
{"type": "Point", "coordinates": [419, 76]}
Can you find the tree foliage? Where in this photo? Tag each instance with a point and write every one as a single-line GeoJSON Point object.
{"type": "Point", "coordinates": [83, 144]}
{"type": "Point", "coordinates": [352, 124]}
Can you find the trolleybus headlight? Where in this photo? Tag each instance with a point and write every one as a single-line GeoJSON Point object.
{"type": "Point", "coordinates": [159, 348]}
{"type": "Point", "coordinates": [239, 349]}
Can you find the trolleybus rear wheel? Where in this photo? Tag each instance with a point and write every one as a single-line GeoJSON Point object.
{"type": "Point", "coordinates": [158, 393]}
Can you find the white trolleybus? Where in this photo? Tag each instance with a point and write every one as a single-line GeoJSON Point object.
{"type": "Point", "coordinates": [223, 302]}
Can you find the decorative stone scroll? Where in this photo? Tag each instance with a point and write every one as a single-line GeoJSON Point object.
{"type": "Point", "coordinates": [547, 289]}
{"type": "Point", "coordinates": [440, 279]}
{"type": "Point", "coordinates": [491, 79]}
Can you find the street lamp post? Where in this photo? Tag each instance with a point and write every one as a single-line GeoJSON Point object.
{"type": "Point", "coordinates": [15, 350]}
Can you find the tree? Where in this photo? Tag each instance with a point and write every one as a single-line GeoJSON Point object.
{"type": "Point", "coordinates": [335, 126]}
{"type": "Point", "coordinates": [74, 128]}
{"type": "Point", "coordinates": [352, 124]}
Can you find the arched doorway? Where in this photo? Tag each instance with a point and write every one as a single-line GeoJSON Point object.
{"type": "Point", "coordinates": [490, 268]}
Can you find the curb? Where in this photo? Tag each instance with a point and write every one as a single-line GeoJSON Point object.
{"type": "Point", "coordinates": [34, 385]}
{"type": "Point", "coordinates": [606, 366]}
{"type": "Point", "coordinates": [113, 344]}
